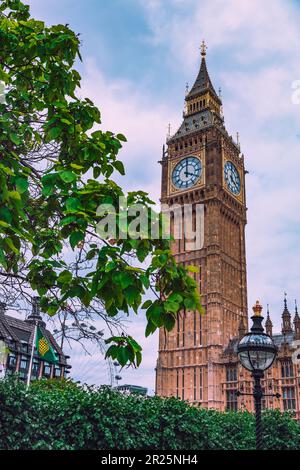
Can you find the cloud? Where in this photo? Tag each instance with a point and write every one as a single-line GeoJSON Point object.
{"type": "Point", "coordinates": [129, 109]}
{"type": "Point", "coordinates": [225, 24]}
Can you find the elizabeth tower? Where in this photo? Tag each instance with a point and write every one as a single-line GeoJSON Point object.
{"type": "Point", "coordinates": [203, 165]}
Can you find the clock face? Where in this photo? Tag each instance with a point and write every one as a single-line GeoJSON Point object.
{"type": "Point", "coordinates": [232, 178]}
{"type": "Point", "coordinates": [187, 172]}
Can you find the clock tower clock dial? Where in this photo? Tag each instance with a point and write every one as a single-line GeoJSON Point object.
{"type": "Point", "coordinates": [186, 173]}
{"type": "Point", "coordinates": [203, 165]}
{"type": "Point", "coordinates": [232, 178]}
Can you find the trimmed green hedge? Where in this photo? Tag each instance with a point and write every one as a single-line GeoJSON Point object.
{"type": "Point", "coordinates": [62, 415]}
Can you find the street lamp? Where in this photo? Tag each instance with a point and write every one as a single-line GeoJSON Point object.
{"type": "Point", "coordinates": [257, 352]}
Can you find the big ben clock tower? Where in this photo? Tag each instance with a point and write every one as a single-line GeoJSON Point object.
{"type": "Point", "coordinates": [203, 165]}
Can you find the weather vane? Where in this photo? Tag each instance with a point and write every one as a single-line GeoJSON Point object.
{"type": "Point", "coordinates": [203, 48]}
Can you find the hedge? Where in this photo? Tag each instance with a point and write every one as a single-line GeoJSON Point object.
{"type": "Point", "coordinates": [63, 415]}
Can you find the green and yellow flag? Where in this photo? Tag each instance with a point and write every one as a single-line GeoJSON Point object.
{"type": "Point", "coordinates": [44, 348]}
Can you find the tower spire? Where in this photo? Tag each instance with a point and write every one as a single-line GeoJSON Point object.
{"type": "Point", "coordinates": [269, 324]}
{"type": "Point", "coordinates": [297, 322]}
{"type": "Point", "coordinates": [203, 83]}
{"type": "Point", "coordinates": [286, 318]}
{"type": "Point", "coordinates": [242, 328]}
{"type": "Point", "coordinates": [35, 316]}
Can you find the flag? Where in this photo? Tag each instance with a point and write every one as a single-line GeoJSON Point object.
{"type": "Point", "coordinates": [4, 351]}
{"type": "Point", "coordinates": [44, 348]}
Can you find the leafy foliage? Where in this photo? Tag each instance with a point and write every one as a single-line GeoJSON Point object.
{"type": "Point", "coordinates": [62, 415]}
{"type": "Point", "coordinates": [55, 171]}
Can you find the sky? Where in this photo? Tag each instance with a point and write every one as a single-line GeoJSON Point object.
{"type": "Point", "coordinates": [137, 58]}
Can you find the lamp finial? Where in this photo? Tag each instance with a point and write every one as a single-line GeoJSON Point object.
{"type": "Point", "coordinates": [257, 309]}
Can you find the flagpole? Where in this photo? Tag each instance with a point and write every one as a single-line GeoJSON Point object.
{"type": "Point", "coordinates": [31, 357]}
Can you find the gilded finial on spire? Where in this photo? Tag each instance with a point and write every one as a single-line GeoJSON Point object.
{"type": "Point", "coordinates": [203, 48]}
{"type": "Point", "coordinates": [257, 309]}
{"type": "Point", "coordinates": [285, 301]}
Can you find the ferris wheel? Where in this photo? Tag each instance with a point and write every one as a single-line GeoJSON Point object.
{"type": "Point", "coordinates": [88, 359]}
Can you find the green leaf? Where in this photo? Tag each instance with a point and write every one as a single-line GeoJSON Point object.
{"type": "Point", "coordinates": [67, 176]}
{"type": "Point", "coordinates": [190, 303]}
{"type": "Point", "coordinates": [3, 259]}
{"type": "Point", "coordinates": [9, 242]}
{"type": "Point", "coordinates": [146, 304]}
{"type": "Point", "coordinates": [15, 138]}
{"type": "Point", "coordinates": [120, 167]}
{"type": "Point", "coordinates": [4, 224]}
{"type": "Point", "coordinates": [122, 355]}
{"type": "Point", "coordinates": [131, 294]}
{"type": "Point", "coordinates": [65, 277]}
{"type": "Point", "coordinates": [53, 133]}
{"type": "Point", "coordinates": [121, 137]}
{"type": "Point", "coordinates": [125, 280]}
{"type": "Point", "coordinates": [193, 269]}
{"type": "Point", "coordinates": [67, 220]}
{"type": "Point", "coordinates": [15, 195]}
{"type": "Point", "coordinates": [22, 185]}
{"type": "Point", "coordinates": [169, 321]}
{"type": "Point", "coordinates": [72, 204]}
{"type": "Point", "coordinates": [76, 237]}
{"type": "Point", "coordinates": [150, 328]}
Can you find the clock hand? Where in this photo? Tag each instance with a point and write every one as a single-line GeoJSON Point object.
{"type": "Point", "coordinates": [186, 168]}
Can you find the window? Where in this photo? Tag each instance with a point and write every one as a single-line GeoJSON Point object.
{"type": "Point", "coordinates": [24, 363]}
{"type": "Point", "coordinates": [195, 384]}
{"type": "Point", "coordinates": [178, 332]}
{"type": "Point", "coordinates": [288, 396]}
{"type": "Point", "coordinates": [23, 375]}
{"type": "Point", "coordinates": [287, 369]}
{"type": "Point", "coordinates": [47, 369]}
{"type": "Point", "coordinates": [182, 395]}
{"type": "Point", "coordinates": [35, 369]}
{"type": "Point", "coordinates": [200, 383]}
{"type": "Point", "coordinates": [24, 347]}
{"type": "Point", "coordinates": [177, 383]}
{"type": "Point", "coordinates": [12, 361]}
{"type": "Point", "coordinates": [57, 372]}
{"type": "Point", "coordinates": [231, 400]}
{"type": "Point", "coordinates": [231, 374]}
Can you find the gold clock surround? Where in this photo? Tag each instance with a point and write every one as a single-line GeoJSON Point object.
{"type": "Point", "coordinates": [172, 164]}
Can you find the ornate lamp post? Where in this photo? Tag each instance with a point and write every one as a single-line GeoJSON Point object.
{"type": "Point", "coordinates": [257, 352]}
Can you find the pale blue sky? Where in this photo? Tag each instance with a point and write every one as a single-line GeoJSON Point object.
{"type": "Point", "coordinates": [138, 56]}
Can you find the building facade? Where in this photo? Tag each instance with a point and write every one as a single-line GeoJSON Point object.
{"type": "Point", "coordinates": [17, 335]}
{"type": "Point", "coordinates": [197, 361]}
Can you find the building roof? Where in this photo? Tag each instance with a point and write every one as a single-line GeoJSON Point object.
{"type": "Point", "coordinates": [18, 330]}
{"type": "Point", "coordinates": [203, 83]}
{"type": "Point", "coordinates": [195, 122]}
